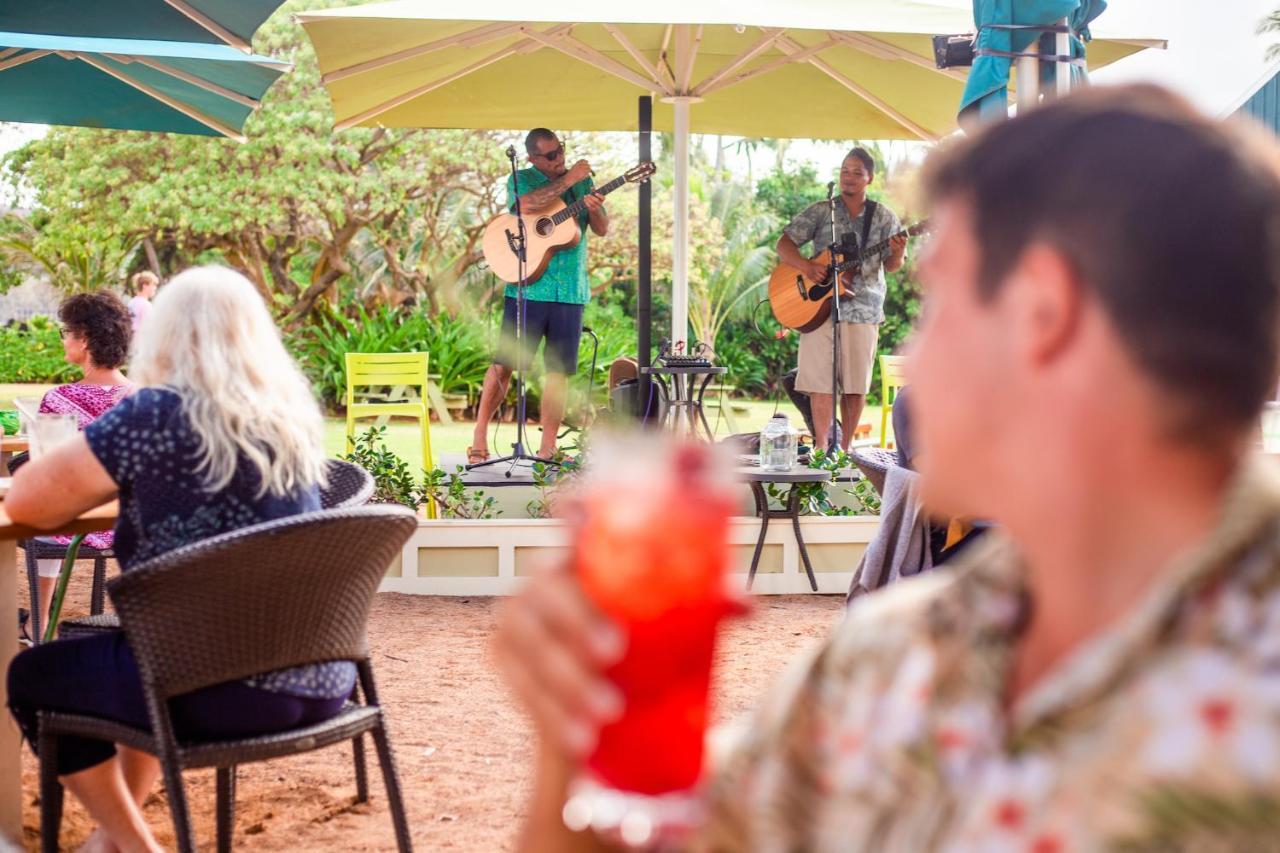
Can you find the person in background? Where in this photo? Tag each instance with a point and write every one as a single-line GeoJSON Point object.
{"type": "Point", "coordinates": [96, 333]}
{"type": "Point", "coordinates": [145, 285]}
{"type": "Point", "coordinates": [865, 222]}
{"type": "Point", "coordinates": [554, 303]}
{"type": "Point", "coordinates": [1102, 670]}
{"type": "Point", "coordinates": [222, 433]}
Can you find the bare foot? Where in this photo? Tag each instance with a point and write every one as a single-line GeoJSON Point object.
{"type": "Point", "coordinates": [98, 842]}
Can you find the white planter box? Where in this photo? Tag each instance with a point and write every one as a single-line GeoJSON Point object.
{"type": "Point", "coordinates": [490, 557]}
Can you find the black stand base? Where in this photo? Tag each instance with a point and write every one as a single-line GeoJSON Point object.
{"type": "Point", "coordinates": [517, 455]}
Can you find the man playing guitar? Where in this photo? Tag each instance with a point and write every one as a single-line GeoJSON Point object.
{"type": "Point", "coordinates": [554, 303]}
{"type": "Point", "coordinates": [861, 314]}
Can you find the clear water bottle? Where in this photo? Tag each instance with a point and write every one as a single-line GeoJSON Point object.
{"type": "Point", "coordinates": [778, 444]}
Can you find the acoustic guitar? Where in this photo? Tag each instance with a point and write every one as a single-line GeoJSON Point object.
{"type": "Point", "coordinates": [800, 303]}
{"type": "Point", "coordinates": [549, 230]}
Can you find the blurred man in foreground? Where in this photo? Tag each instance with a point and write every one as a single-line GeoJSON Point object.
{"type": "Point", "coordinates": [1099, 335]}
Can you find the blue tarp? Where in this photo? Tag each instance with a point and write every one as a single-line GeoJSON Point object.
{"type": "Point", "coordinates": [986, 91]}
{"type": "Point", "coordinates": [151, 20]}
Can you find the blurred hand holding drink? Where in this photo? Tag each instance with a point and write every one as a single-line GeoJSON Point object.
{"type": "Point", "coordinates": [651, 555]}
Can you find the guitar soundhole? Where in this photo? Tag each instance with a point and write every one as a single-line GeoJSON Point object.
{"type": "Point", "coordinates": [544, 226]}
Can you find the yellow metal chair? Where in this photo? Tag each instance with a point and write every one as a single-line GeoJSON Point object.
{"type": "Point", "coordinates": [892, 368]}
{"type": "Point", "coordinates": [397, 370]}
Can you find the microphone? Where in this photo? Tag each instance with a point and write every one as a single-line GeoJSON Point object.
{"type": "Point", "coordinates": [511, 152]}
{"type": "Point", "coordinates": [831, 186]}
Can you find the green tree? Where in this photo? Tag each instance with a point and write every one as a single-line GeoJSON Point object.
{"type": "Point", "coordinates": [289, 206]}
{"type": "Point", "coordinates": [722, 282]}
{"type": "Point", "coordinates": [786, 193]}
{"type": "Point", "coordinates": [1270, 25]}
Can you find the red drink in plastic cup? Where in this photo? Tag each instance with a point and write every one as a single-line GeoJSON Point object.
{"type": "Point", "coordinates": [651, 554]}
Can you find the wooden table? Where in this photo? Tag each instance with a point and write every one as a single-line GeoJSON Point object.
{"type": "Point", "coordinates": [102, 518]}
{"type": "Point", "coordinates": [9, 445]}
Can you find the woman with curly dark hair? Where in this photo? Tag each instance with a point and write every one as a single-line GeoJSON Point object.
{"type": "Point", "coordinates": [96, 332]}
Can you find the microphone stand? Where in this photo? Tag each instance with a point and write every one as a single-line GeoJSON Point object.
{"type": "Point", "coordinates": [518, 242]}
{"type": "Point", "coordinates": [833, 276]}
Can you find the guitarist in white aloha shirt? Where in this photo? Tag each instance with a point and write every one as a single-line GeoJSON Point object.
{"type": "Point", "coordinates": [861, 315]}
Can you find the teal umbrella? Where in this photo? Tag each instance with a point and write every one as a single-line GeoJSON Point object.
{"type": "Point", "coordinates": [131, 84]}
{"type": "Point", "coordinates": [230, 22]}
{"type": "Point", "coordinates": [986, 91]}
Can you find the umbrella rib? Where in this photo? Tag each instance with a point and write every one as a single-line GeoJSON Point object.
{"type": "Point", "coordinates": [174, 104]}
{"type": "Point", "coordinates": [664, 62]}
{"type": "Point", "coordinates": [687, 44]}
{"type": "Point", "coordinates": [801, 55]}
{"type": "Point", "coordinates": [497, 56]}
{"type": "Point", "coordinates": [635, 53]}
{"type": "Point", "coordinates": [23, 59]}
{"type": "Point", "coordinates": [471, 38]}
{"type": "Point", "coordinates": [787, 45]}
{"type": "Point", "coordinates": [884, 50]}
{"type": "Point", "coordinates": [198, 82]}
{"type": "Point", "coordinates": [771, 35]}
{"type": "Point", "coordinates": [9, 51]}
{"type": "Point", "coordinates": [209, 24]}
{"type": "Point", "coordinates": [570, 46]}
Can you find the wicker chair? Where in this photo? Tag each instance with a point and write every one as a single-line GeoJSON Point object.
{"type": "Point", "coordinates": [874, 463]}
{"type": "Point", "coordinates": [36, 549]}
{"type": "Point", "coordinates": [349, 485]}
{"type": "Point", "coordinates": [285, 593]}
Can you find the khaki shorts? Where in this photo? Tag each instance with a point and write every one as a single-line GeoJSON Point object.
{"type": "Point", "coordinates": [858, 355]}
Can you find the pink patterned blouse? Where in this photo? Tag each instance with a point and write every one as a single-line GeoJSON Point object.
{"type": "Point", "coordinates": [87, 403]}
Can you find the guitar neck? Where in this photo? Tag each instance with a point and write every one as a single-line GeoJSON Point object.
{"type": "Point", "coordinates": [876, 248]}
{"type": "Point", "coordinates": [580, 205]}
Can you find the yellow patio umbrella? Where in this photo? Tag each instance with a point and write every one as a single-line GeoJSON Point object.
{"type": "Point", "coordinates": [819, 69]}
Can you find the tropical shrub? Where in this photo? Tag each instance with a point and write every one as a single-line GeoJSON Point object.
{"type": "Point", "coordinates": [459, 348]}
{"type": "Point", "coordinates": [395, 483]}
{"type": "Point", "coordinates": [32, 352]}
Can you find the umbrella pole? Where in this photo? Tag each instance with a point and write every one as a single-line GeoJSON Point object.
{"type": "Point", "coordinates": [1062, 46]}
{"type": "Point", "coordinates": [680, 227]}
{"type": "Point", "coordinates": [644, 269]}
{"type": "Point", "coordinates": [1028, 78]}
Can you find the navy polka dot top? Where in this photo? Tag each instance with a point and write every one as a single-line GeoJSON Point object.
{"type": "Point", "coordinates": [148, 448]}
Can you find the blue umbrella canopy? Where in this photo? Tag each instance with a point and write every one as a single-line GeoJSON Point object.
{"type": "Point", "coordinates": [231, 22]}
{"type": "Point", "coordinates": [986, 90]}
{"type": "Point", "coordinates": [131, 84]}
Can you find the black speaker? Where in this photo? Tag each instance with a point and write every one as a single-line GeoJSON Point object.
{"type": "Point", "coordinates": [953, 51]}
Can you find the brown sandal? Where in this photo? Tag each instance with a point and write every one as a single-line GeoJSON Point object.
{"type": "Point", "coordinates": [475, 457]}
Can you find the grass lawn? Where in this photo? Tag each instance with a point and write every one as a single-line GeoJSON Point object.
{"type": "Point", "coordinates": [452, 441]}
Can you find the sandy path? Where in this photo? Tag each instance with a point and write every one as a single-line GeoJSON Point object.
{"type": "Point", "coordinates": [463, 749]}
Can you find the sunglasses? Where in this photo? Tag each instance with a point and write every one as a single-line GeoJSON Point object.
{"type": "Point", "coordinates": [553, 155]}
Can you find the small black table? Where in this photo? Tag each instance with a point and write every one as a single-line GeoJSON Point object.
{"type": "Point", "coordinates": [683, 398]}
{"type": "Point", "coordinates": [757, 477]}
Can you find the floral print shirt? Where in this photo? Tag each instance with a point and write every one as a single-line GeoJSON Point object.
{"type": "Point", "coordinates": [86, 403]}
{"type": "Point", "coordinates": [1162, 733]}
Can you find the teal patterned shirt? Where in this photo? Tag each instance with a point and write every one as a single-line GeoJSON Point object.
{"type": "Point", "coordinates": [566, 277]}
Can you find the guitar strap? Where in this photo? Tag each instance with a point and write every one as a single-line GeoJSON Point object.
{"type": "Point", "coordinates": [868, 215]}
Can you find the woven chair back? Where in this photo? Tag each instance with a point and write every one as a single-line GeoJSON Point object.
{"type": "Point", "coordinates": [275, 595]}
{"type": "Point", "coordinates": [347, 485]}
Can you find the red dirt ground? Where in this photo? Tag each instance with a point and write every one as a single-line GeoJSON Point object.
{"type": "Point", "coordinates": [463, 749]}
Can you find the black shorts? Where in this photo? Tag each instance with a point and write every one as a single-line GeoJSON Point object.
{"type": "Point", "coordinates": [560, 323]}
